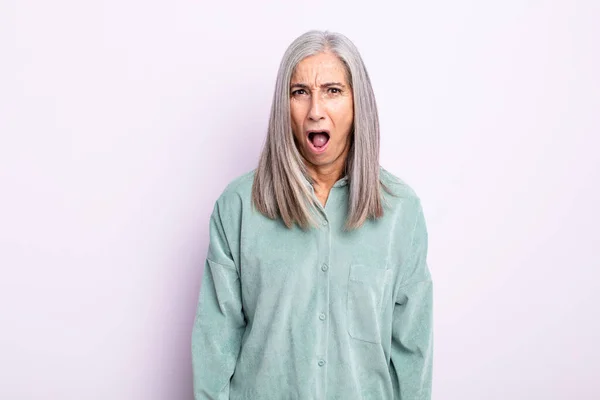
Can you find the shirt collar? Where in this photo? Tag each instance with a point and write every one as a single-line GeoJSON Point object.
{"type": "Point", "coordinates": [339, 183]}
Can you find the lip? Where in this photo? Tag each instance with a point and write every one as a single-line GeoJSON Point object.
{"type": "Point", "coordinates": [317, 150]}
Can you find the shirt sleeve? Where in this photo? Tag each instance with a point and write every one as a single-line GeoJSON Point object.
{"type": "Point", "coordinates": [219, 322]}
{"type": "Point", "coordinates": [412, 325]}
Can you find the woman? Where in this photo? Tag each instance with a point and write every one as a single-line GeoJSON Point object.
{"type": "Point", "coordinates": [316, 284]}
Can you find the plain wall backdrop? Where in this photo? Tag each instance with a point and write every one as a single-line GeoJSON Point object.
{"type": "Point", "coordinates": [122, 121]}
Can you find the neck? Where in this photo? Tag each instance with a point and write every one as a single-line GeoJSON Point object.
{"type": "Point", "coordinates": [325, 176]}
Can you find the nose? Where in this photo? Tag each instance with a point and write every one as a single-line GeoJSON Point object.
{"type": "Point", "coordinates": [316, 111]}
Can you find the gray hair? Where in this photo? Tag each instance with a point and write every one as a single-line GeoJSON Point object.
{"type": "Point", "coordinates": [279, 188]}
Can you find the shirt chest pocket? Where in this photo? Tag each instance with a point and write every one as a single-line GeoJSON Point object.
{"type": "Point", "coordinates": [366, 289]}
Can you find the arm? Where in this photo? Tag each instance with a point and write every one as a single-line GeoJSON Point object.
{"type": "Point", "coordinates": [412, 329]}
{"type": "Point", "coordinates": [219, 323]}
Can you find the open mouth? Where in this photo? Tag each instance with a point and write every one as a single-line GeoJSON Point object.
{"type": "Point", "coordinates": [318, 139]}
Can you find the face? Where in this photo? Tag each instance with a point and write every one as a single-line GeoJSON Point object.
{"type": "Point", "coordinates": [322, 110]}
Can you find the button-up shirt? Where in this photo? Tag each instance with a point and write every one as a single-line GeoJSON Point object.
{"type": "Point", "coordinates": [321, 313]}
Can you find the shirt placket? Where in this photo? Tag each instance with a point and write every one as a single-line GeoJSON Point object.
{"type": "Point", "coordinates": [322, 314]}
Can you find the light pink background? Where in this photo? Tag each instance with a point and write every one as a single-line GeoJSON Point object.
{"type": "Point", "coordinates": [121, 122]}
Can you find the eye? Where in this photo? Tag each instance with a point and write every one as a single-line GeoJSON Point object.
{"type": "Point", "coordinates": [298, 92]}
{"type": "Point", "coordinates": [334, 90]}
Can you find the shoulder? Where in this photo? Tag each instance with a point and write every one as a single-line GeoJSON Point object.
{"type": "Point", "coordinates": [397, 187]}
{"type": "Point", "coordinates": [240, 185]}
{"type": "Point", "coordinates": [237, 192]}
{"type": "Point", "coordinates": [404, 206]}
{"type": "Point", "coordinates": [400, 199]}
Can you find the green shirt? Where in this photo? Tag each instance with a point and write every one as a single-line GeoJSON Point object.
{"type": "Point", "coordinates": [316, 314]}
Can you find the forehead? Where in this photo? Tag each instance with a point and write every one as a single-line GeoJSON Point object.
{"type": "Point", "coordinates": [320, 67]}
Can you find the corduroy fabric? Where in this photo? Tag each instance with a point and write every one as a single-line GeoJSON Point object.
{"type": "Point", "coordinates": [319, 313]}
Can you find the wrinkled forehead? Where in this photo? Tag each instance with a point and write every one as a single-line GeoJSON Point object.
{"type": "Point", "coordinates": [320, 68]}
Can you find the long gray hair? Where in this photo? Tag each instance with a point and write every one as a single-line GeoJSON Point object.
{"type": "Point", "coordinates": [279, 188]}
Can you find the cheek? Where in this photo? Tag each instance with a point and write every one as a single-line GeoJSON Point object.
{"type": "Point", "coordinates": [344, 115]}
{"type": "Point", "coordinates": [296, 119]}
{"type": "Point", "coordinates": [296, 113]}
{"type": "Point", "coordinates": [350, 110]}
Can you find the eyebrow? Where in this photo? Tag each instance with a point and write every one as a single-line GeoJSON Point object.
{"type": "Point", "coordinates": [326, 84]}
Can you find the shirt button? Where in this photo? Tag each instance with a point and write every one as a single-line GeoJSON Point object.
{"type": "Point", "coordinates": [322, 316]}
{"type": "Point", "coordinates": [324, 267]}
{"type": "Point", "coordinates": [325, 222]}
{"type": "Point", "coordinates": [321, 363]}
